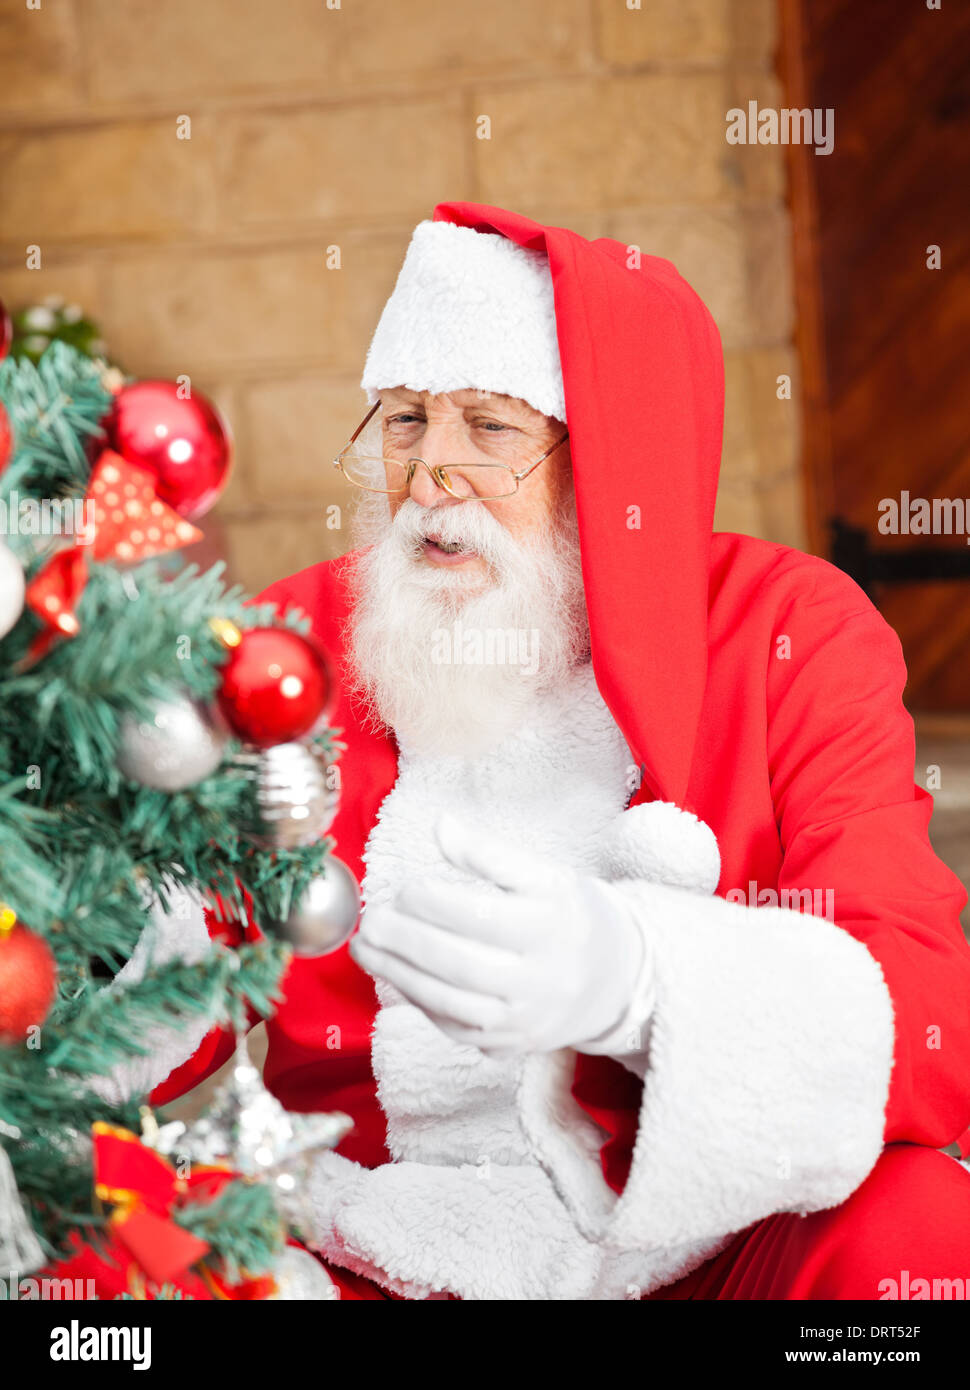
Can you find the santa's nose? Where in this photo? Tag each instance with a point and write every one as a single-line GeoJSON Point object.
{"type": "Point", "coordinates": [424, 488]}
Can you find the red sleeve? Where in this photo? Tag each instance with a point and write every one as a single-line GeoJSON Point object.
{"type": "Point", "coordinates": [853, 823]}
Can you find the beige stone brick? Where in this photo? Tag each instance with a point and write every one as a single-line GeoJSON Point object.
{"type": "Point", "coordinates": [216, 311]}
{"type": "Point", "coordinates": [222, 49]}
{"type": "Point", "coordinates": [774, 394]}
{"type": "Point", "coordinates": [737, 509]}
{"type": "Point", "coordinates": [783, 510]}
{"type": "Point", "coordinates": [75, 281]}
{"type": "Point", "coordinates": [708, 247]}
{"type": "Point", "coordinates": [753, 27]}
{"type": "Point", "coordinates": [105, 183]}
{"type": "Point", "coordinates": [761, 431]}
{"type": "Point", "coordinates": [294, 428]}
{"type": "Point", "coordinates": [740, 460]}
{"type": "Point", "coordinates": [687, 31]}
{"type": "Point", "coordinates": [39, 58]}
{"type": "Point", "coordinates": [375, 160]}
{"type": "Point", "coordinates": [145, 51]}
{"type": "Point", "coordinates": [262, 549]}
{"type": "Point", "coordinates": [405, 43]}
{"type": "Point", "coordinates": [758, 172]}
{"type": "Point", "coordinates": [770, 283]}
{"type": "Point", "coordinates": [605, 143]}
{"type": "Point", "coordinates": [737, 259]}
{"type": "Point", "coordinates": [775, 421]}
{"type": "Point", "coordinates": [761, 470]}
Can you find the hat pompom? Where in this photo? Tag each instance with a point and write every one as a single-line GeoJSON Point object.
{"type": "Point", "coordinates": [660, 842]}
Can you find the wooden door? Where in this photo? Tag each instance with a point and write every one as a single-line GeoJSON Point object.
{"type": "Point", "coordinates": [884, 336]}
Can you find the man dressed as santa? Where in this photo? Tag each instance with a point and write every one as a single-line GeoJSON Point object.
{"type": "Point", "coordinates": [597, 1035]}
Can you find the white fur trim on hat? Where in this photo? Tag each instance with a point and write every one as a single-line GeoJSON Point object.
{"type": "Point", "coordinates": [469, 310]}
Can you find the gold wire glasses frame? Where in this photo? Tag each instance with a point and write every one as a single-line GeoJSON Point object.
{"type": "Point", "coordinates": [438, 471]}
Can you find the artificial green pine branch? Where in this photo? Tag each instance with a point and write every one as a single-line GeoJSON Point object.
{"type": "Point", "coordinates": [83, 852]}
{"type": "Point", "coordinates": [241, 1225]}
{"type": "Point", "coordinates": [110, 1026]}
{"type": "Point", "coordinates": [55, 409]}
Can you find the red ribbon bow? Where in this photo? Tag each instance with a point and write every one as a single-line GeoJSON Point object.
{"type": "Point", "coordinates": [130, 523]}
{"type": "Point", "coordinates": [144, 1189]}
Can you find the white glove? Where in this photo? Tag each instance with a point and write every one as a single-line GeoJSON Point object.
{"type": "Point", "coordinates": [530, 958]}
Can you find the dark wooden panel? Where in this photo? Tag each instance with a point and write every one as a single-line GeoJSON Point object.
{"type": "Point", "coordinates": [936, 648]}
{"type": "Point", "coordinates": [884, 341]}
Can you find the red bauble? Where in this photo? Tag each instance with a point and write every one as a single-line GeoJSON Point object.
{"type": "Point", "coordinates": [6, 331]}
{"type": "Point", "coordinates": [28, 981]}
{"type": "Point", "coordinates": [276, 686]}
{"type": "Point", "coordinates": [6, 438]}
{"type": "Point", "coordinates": [185, 444]}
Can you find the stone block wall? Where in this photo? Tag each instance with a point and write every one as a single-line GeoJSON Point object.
{"type": "Point", "coordinates": [318, 124]}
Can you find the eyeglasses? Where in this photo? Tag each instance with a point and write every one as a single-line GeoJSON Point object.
{"type": "Point", "coordinates": [489, 481]}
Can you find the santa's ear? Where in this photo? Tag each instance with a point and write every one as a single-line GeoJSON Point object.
{"type": "Point", "coordinates": [659, 842]}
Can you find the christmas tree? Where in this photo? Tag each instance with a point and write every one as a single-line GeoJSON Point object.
{"type": "Point", "coordinates": [143, 790]}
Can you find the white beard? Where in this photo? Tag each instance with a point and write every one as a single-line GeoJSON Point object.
{"type": "Point", "coordinates": [451, 661]}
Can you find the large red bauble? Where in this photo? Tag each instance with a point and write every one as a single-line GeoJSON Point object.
{"type": "Point", "coordinates": [185, 443]}
{"type": "Point", "coordinates": [276, 686]}
{"type": "Point", "coordinates": [28, 981]}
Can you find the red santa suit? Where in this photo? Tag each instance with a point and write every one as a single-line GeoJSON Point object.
{"type": "Point", "coordinates": [809, 1013]}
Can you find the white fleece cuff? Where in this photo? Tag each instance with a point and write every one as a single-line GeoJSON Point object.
{"type": "Point", "coordinates": [485, 1232]}
{"type": "Point", "coordinates": [770, 1053]}
{"type": "Point", "coordinates": [767, 1062]}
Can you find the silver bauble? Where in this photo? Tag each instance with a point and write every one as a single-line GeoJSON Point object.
{"type": "Point", "coordinates": [182, 742]}
{"type": "Point", "coordinates": [299, 1275]}
{"type": "Point", "coordinates": [325, 915]}
{"type": "Point", "coordinates": [297, 804]}
{"type": "Point", "coordinates": [11, 589]}
{"type": "Point", "coordinates": [19, 1247]}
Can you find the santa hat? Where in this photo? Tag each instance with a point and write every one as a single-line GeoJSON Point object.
{"type": "Point", "coordinates": [469, 309]}
{"type": "Point", "coordinates": [618, 345]}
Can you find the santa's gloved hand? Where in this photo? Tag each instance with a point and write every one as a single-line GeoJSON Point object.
{"type": "Point", "coordinates": [533, 957]}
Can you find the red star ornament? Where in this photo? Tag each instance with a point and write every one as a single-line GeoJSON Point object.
{"type": "Point", "coordinates": [131, 522]}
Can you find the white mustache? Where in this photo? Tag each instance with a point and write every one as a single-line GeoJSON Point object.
{"type": "Point", "coordinates": [467, 524]}
{"type": "Point", "coordinates": [402, 607]}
